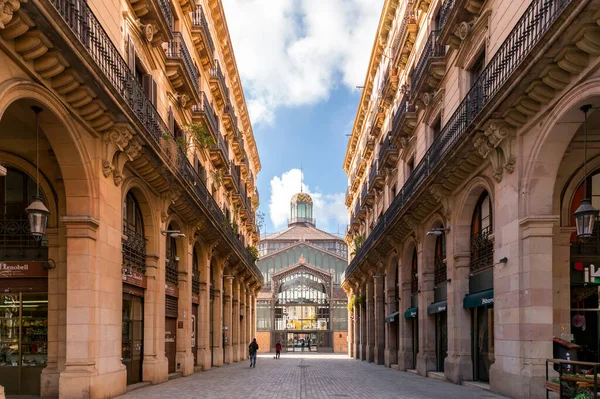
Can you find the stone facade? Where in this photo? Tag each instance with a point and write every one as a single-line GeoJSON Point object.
{"type": "Point", "coordinates": [148, 167]}
{"type": "Point", "coordinates": [465, 166]}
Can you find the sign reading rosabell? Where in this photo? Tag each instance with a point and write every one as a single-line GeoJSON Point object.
{"type": "Point", "coordinates": [22, 269]}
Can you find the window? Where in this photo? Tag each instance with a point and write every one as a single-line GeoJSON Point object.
{"type": "Point", "coordinates": [17, 190]}
{"type": "Point", "coordinates": [439, 260]}
{"type": "Point", "coordinates": [410, 166]}
{"type": "Point", "coordinates": [133, 241]}
{"type": "Point", "coordinates": [482, 247]}
{"type": "Point", "coordinates": [436, 128]}
{"type": "Point", "coordinates": [477, 68]}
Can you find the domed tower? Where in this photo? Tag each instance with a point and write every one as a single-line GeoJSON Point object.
{"type": "Point", "coordinates": [301, 210]}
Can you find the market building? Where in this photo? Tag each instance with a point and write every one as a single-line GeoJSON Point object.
{"type": "Point", "coordinates": [128, 195]}
{"type": "Point", "coordinates": [467, 165]}
{"type": "Point", "coordinates": [302, 304]}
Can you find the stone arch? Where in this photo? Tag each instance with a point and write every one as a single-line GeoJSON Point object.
{"type": "Point", "coordinates": [62, 132]}
{"type": "Point", "coordinates": [542, 166]}
{"type": "Point", "coordinates": [429, 241]}
{"type": "Point", "coordinates": [48, 191]}
{"type": "Point", "coordinates": [149, 214]}
{"type": "Point", "coordinates": [466, 205]}
{"type": "Point", "coordinates": [391, 271]}
{"type": "Point", "coordinates": [407, 254]}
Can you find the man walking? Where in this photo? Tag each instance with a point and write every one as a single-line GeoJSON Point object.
{"type": "Point", "coordinates": [278, 350]}
{"type": "Point", "coordinates": [252, 349]}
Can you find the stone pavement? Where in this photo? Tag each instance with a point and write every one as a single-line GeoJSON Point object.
{"type": "Point", "coordinates": [304, 376]}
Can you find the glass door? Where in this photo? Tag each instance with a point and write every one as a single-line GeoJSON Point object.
{"type": "Point", "coordinates": [441, 339]}
{"type": "Point", "coordinates": [23, 342]}
{"type": "Point", "coordinates": [483, 342]}
{"type": "Point", "coordinates": [133, 339]}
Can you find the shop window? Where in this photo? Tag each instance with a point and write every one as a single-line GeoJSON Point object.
{"type": "Point", "coordinates": [482, 246]}
{"type": "Point", "coordinates": [439, 261]}
{"type": "Point", "coordinates": [133, 240]}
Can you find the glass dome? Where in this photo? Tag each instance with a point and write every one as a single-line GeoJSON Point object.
{"type": "Point", "coordinates": [301, 209]}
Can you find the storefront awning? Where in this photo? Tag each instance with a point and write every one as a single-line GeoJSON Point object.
{"type": "Point", "coordinates": [477, 299]}
{"type": "Point", "coordinates": [437, 307]}
{"type": "Point", "coordinates": [391, 317]}
{"type": "Point", "coordinates": [410, 313]}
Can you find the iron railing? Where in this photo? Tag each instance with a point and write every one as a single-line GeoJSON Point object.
{"type": "Point", "coordinates": [199, 20]}
{"type": "Point", "coordinates": [84, 25]}
{"type": "Point", "coordinates": [408, 13]}
{"type": "Point", "coordinates": [399, 114]}
{"type": "Point", "coordinates": [440, 271]}
{"type": "Point", "coordinates": [431, 49]}
{"type": "Point", "coordinates": [220, 144]}
{"type": "Point", "coordinates": [445, 13]}
{"type": "Point", "coordinates": [533, 24]}
{"type": "Point", "coordinates": [414, 282]}
{"type": "Point", "coordinates": [15, 232]}
{"type": "Point", "coordinates": [482, 251]}
{"type": "Point", "coordinates": [165, 9]}
{"type": "Point", "coordinates": [207, 109]}
{"type": "Point", "coordinates": [178, 50]}
{"type": "Point", "coordinates": [134, 249]}
{"type": "Point", "coordinates": [171, 275]}
{"type": "Point", "coordinates": [373, 172]}
{"type": "Point", "coordinates": [216, 73]}
{"type": "Point", "coordinates": [231, 113]}
{"type": "Point", "coordinates": [195, 280]}
{"type": "Point", "coordinates": [386, 146]}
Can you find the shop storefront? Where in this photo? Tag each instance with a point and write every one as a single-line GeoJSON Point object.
{"type": "Point", "coordinates": [438, 310]}
{"type": "Point", "coordinates": [171, 311]}
{"type": "Point", "coordinates": [195, 305]}
{"type": "Point", "coordinates": [411, 316]}
{"type": "Point", "coordinates": [133, 332]}
{"type": "Point", "coordinates": [23, 326]}
{"type": "Point", "coordinates": [482, 332]}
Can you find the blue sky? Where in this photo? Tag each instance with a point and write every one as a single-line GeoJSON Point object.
{"type": "Point", "coordinates": [300, 61]}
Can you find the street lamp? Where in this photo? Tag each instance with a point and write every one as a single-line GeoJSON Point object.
{"type": "Point", "coordinates": [37, 213]}
{"type": "Point", "coordinates": [585, 215]}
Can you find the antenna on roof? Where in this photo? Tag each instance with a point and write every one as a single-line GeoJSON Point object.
{"type": "Point", "coordinates": [301, 177]}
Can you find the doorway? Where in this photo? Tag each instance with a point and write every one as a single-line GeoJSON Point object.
{"type": "Point", "coordinates": [302, 342]}
{"type": "Point", "coordinates": [483, 342]}
{"type": "Point", "coordinates": [441, 338]}
{"type": "Point", "coordinates": [415, 340]}
{"type": "Point", "coordinates": [133, 337]}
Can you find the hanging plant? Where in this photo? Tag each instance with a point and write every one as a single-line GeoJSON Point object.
{"type": "Point", "coordinates": [253, 251]}
{"type": "Point", "coordinates": [217, 178]}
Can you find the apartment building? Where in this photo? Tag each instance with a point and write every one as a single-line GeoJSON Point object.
{"type": "Point", "coordinates": [473, 147]}
{"type": "Point", "coordinates": [128, 192]}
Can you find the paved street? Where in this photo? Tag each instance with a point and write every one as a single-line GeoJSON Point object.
{"type": "Point", "coordinates": [307, 376]}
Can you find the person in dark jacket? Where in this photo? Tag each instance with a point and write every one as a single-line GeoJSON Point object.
{"type": "Point", "coordinates": [278, 350]}
{"type": "Point", "coordinates": [252, 349]}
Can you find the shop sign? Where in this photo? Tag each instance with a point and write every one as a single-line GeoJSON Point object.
{"type": "Point", "coordinates": [171, 290]}
{"type": "Point", "coordinates": [134, 278]}
{"type": "Point", "coordinates": [22, 269]}
{"type": "Point", "coordinates": [591, 275]}
{"type": "Point", "coordinates": [487, 301]}
{"type": "Point", "coordinates": [169, 337]}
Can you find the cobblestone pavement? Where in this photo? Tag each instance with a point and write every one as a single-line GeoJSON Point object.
{"type": "Point", "coordinates": [304, 376]}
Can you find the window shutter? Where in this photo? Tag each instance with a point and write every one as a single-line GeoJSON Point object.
{"type": "Point", "coordinates": [149, 85]}
{"type": "Point", "coordinates": [131, 54]}
{"type": "Point", "coordinates": [171, 121]}
{"type": "Point", "coordinates": [154, 96]}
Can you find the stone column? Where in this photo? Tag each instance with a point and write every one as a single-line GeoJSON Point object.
{"type": "Point", "coordinates": [405, 349]}
{"type": "Point", "coordinates": [235, 320]}
{"type": "Point", "coordinates": [370, 319]}
{"type": "Point", "coordinates": [243, 339]}
{"type": "Point", "coordinates": [227, 312]}
{"type": "Point", "coordinates": [426, 358]}
{"type": "Point", "coordinates": [356, 328]}
{"type": "Point", "coordinates": [458, 366]}
{"type": "Point", "coordinates": [379, 321]}
{"type": "Point", "coordinates": [247, 323]}
{"type": "Point", "coordinates": [391, 344]}
{"type": "Point", "coordinates": [217, 344]}
{"type": "Point", "coordinates": [2, 392]}
{"type": "Point", "coordinates": [523, 312]}
{"type": "Point", "coordinates": [561, 281]}
{"type": "Point", "coordinates": [363, 327]}
{"type": "Point", "coordinates": [184, 357]}
{"type": "Point", "coordinates": [350, 328]}
{"type": "Point", "coordinates": [204, 345]}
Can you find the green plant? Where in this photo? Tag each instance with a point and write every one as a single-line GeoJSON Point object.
{"type": "Point", "coordinates": [196, 135]}
{"type": "Point", "coordinates": [351, 303]}
{"type": "Point", "coordinates": [358, 242]}
{"type": "Point", "coordinates": [253, 251]}
{"type": "Point", "coordinates": [217, 178]}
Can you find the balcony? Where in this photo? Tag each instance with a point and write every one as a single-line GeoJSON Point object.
{"type": "Point", "coordinates": [376, 177]}
{"type": "Point", "coordinates": [231, 179]}
{"type": "Point", "coordinates": [219, 89]}
{"type": "Point", "coordinates": [354, 182]}
{"type": "Point", "coordinates": [404, 121]}
{"type": "Point", "coordinates": [389, 87]}
{"type": "Point", "coordinates": [513, 57]}
{"type": "Point", "coordinates": [94, 50]}
{"type": "Point", "coordinates": [202, 38]}
{"type": "Point", "coordinates": [219, 153]}
{"type": "Point", "coordinates": [255, 197]}
{"type": "Point", "coordinates": [430, 68]}
{"type": "Point", "coordinates": [230, 121]}
{"type": "Point", "coordinates": [405, 38]}
{"type": "Point", "coordinates": [368, 148]}
{"type": "Point", "coordinates": [205, 114]}
{"type": "Point", "coordinates": [241, 157]}
{"type": "Point", "coordinates": [362, 166]}
{"type": "Point", "coordinates": [155, 18]}
{"type": "Point", "coordinates": [388, 153]}
{"type": "Point", "coordinates": [349, 196]}
{"type": "Point", "coordinates": [367, 196]}
{"type": "Point", "coordinates": [181, 71]}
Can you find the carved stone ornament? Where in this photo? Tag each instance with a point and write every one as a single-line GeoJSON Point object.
{"type": "Point", "coordinates": [119, 145]}
{"type": "Point", "coordinates": [442, 196]}
{"type": "Point", "coordinates": [426, 98]}
{"type": "Point", "coordinates": [184, 100]}
{"type": "Point", "coordinates": [463, 29]}
{"type": "Point", "coordinates": [168, 198]}
{"type": "Point", "coordinates": [495, 143]}
{"type": "Point", "coordinates": [7, 9]}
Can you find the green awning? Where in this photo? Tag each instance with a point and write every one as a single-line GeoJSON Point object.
{"type": "Point", "coordinates": [410, 313]}
{"type": "Point", "coordinates": [437, 307]}
{"type": "Point", "coordinates": [477, 299]}
{"type": "Point", "coordinates": [391, 317]}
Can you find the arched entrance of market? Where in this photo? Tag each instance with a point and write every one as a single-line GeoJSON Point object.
{"type": "Point", "coordinates": [302, 311]}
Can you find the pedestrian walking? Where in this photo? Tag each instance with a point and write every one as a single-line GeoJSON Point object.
{"type": "Point", "coordinates": [278, 350]}
{"type": "Point", "coordinates": [302, 344]}
{"type": "Point", "coordinates": [309, 345]}
{"type": "Point", "coordinates": [252, 349]}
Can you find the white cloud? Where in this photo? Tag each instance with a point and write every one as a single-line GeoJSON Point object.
{"type": "Point", "coordinates": [329, 209]}
{"type": "Point", "coordinates": [294, 52]}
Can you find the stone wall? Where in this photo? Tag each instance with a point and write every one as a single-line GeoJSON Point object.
{"type": "Point", "coordinates": [340, 342]}
{"type": "Point", "coordinates": [263, 338]}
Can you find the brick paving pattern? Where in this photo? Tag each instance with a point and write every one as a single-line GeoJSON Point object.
{"type": "Point", "coordinates": [307, 376]}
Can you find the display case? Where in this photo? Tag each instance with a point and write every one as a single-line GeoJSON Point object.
{"type": "Point", "coordinates": [575, 379]}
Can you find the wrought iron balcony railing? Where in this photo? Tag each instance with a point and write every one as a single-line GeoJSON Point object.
{"type": "Point", "coordinates": [216, 73]}
{"type": "Point", "coordinates": [15, 232]}
{"type": "Point", "coordinates": [178, 50]}
{"type": "Point", "coordinates": [440, 271]}
{"type": "Point", "coordinates": [220, 144]}
{"type": "Point", "coordinates": [482, 251]}
{"type": "Point", "coordinates": [431, 49]}
{"type": "Point", "coordinates": [445, 13]}
{"type": "Point", "coordinates": [195, 281]}
{"type": "Point", "coordinates": [88, 31]}
{"type": "Point", "coordinates": [134, 249]}
{"type": "Point", "coordinates": [207, 110]}
{"type": "Point", "coordinates": [533, 24]}
{"type": "Point", "coordinates": [399, 114]}
{"type": "Point", "coordinates": [230, 113]}
{"type": "Point", "coordinates": [373, 172]}
{"type": "Point", "coordinates": [199, 19]}
{"type": "Point", "coordinates": [171, 274]}
{"type": "Point", "coordinates": [386, 146]}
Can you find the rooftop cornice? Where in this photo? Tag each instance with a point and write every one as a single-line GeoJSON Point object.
{"type": "Point", "coordinates": [220, 23]}
{"type": "Point", "coordinates": [386, 20]}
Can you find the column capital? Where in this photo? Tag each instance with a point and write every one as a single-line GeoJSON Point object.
{"type": "Point", "coordinates": [81, 226]}
{"type": "Point", "coordinates": [538, 225]}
